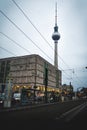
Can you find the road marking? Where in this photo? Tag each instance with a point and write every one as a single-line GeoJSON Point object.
{"type": "Point", "coordinates": [67, 116]}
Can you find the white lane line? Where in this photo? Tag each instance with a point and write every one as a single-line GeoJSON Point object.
{"type": "Point", "coordinates": [71, 113]}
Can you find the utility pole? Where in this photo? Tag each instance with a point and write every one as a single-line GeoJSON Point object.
{"type": "Point", "coordinates": [8, 92]}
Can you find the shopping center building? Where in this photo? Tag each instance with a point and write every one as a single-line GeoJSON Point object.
{"type": "Point", "coordinates": [31, 72]}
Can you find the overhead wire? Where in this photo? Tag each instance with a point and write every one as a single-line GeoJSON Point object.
{"type": "Point", "coordinates": [7, 51]}
{"type": "Point", "coordinates": [23, 33]}
{"type": "Point", "coordinates": [26, 34]}
{"type": "Point", "coordinates": [31, 23]}
{"type": "Point", "coordinates": [15, 42]}
{"type": "Point", "coordinates": [36, 28]}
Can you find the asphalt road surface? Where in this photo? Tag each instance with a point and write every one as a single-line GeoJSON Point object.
{"type": "Point", "coordinates": [42, 119]}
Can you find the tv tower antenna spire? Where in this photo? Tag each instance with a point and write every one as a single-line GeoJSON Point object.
{"type": "Point", "coordinates": [56, 14]}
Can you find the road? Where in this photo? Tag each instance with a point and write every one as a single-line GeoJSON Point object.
{"type": "Point", "coordinates": [44, 117]}
{"type": "Point", "coordinates": [79, 121]}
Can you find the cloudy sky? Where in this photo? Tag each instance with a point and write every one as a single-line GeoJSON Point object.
{"type": "Point", "coordinates": [32, 34]}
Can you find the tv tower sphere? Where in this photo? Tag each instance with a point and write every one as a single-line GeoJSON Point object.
{"type": "Point", "coordinates": [56, 35]}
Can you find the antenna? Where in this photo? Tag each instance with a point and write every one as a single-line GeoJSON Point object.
{"type": "Point", "coordinates": [56, 14]}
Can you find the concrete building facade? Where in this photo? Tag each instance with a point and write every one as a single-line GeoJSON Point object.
{"type": "Point", "coordinates": [30, 72]}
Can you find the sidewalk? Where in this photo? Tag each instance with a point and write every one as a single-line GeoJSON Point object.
{"type": "Point", "coordinates": [21, 107]}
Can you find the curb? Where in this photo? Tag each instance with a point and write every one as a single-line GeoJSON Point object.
{"type": "Point", "coordinates": [24, 107]}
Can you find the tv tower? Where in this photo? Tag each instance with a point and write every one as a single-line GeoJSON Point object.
{"type": "Point", "coordinates": [56, 37]}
